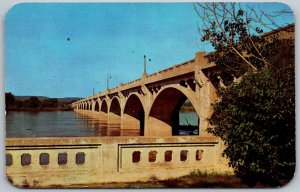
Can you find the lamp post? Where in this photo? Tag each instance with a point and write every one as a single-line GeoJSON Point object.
{"type": "Point", "coordinates": [99, 87]}
{"type": "Point", "coordinates": [145, 72]}
{"type": "Point", "coordinates": [145, 65]}
{"type": "Point", "coordinates": [108, 77]}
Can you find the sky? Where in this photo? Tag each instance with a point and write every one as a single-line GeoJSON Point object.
{"type": "Point", "coordinates": [68, 49]}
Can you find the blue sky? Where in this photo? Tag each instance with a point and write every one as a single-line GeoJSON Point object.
{"type": "Point", "coordinates": [65, 49]}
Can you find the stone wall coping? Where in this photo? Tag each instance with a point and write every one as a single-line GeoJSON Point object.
{"type": "Point", "coordinates": [52, 141]}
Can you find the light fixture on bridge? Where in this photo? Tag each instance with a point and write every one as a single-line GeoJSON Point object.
{"type": "Point", "coordinates": [108, 77]}
{"type": "Point", "coordinates": [99, 87]}
{"type": "Point", "coordinates": [145, 65]}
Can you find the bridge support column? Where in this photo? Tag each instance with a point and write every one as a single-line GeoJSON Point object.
{"type": "Point", "coordinates": [148, 99]}
{"type": "Point", "coordinates": [205, 93]}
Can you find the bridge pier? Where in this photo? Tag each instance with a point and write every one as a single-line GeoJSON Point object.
{"type": "Point", "coordinates": [102, 116]}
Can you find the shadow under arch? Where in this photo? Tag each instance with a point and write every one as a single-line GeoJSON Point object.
{"type": "Point", "coordinates": [97, 108]}
{"type": "Point", "coordinates": [104, 106]}
{"type": "Point", "coordinates": [114, 115]}
{"type": "Point", "coordinates": [164, 118]}
{"type": "Point", "coordinates": [115, 106]}
{"type": "Point", "coordinates": [134, 114]}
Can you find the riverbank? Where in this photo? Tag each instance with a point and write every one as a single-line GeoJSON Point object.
{"type": "Point", "coordinates": [195, 179]}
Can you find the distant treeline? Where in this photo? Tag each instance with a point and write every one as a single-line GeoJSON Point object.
{"type": "Point", "coordinates": [34, 103]}
{"type": "Point", "coordinates": [187, 107]}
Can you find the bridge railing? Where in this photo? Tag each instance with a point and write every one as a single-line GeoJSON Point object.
{"type": "Point", "coordinates": [128, 85]}
{"type": "Point", "coordinates": [174, 71]}
{"type": "Point", "coordinates": [132, 84]}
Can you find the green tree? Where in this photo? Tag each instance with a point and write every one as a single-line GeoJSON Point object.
{"type": "Point", "coordinates": [256, 120]}
{"type": "Point", "coordinates": [32, 102]}
{"type": "Point", "coordinates": [52, 102]}
{"type": "Point", "coordinates": [9, 99]}
{"type": "Point", "coordinates": [19, 104]}
{"type": "Point", "coordinates": [255, 116]}
{"type": "Point", "coordinates": [236, 37]}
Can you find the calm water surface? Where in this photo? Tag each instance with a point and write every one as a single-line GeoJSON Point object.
{"type": "Point", "coordinates": [56, 124]}
{"type": "Point", "coordinates": [68, 124]}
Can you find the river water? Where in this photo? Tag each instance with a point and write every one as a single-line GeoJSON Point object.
{"type": "Point", "coordinates": [67, 124]}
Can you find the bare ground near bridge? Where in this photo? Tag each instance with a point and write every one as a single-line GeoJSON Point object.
{"type": "Point", "coordinates": [193, 180]}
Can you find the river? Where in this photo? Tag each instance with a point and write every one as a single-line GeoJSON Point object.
{"type": "Point", "coordinates": [66, 124]}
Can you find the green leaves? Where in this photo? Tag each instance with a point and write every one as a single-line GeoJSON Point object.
{"type": "Point", "coordinates": [256, 120]}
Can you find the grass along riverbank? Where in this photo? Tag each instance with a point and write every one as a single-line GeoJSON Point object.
{"type": "Point", "coordinates": [195, 179]}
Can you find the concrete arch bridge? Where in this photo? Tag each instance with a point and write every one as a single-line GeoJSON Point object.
{"type": "Point", "coordinates": [151, 104]}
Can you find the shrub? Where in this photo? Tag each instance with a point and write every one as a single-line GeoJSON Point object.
{"type": "Point", "coordinates": [256, 120]}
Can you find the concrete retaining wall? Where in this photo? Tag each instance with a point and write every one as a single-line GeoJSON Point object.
{"type": "Point", "coordinates": [110, 159]}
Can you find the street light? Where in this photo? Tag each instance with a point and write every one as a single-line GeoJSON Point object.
{"type": "Point", "coordinates": [145, 65]}
{"type": "Point", "coordinates": [145, 72]}
{"type": "Point", "coordinates": [108, 77]}
{"type": "Point", "coordinates": [99, 87]}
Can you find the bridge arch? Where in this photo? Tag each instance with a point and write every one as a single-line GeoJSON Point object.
{"type": "Point", "coordinates": [114, 115]}
{"type": "Point", "coordinates": [91, 103]}
{"type": "Point", "coordinates": [134, 114]}
{"type": "Point", "coordinates": [115, 106]}
{"type": "Point", "coordinates": [163, 117]}
{"type": "Point", "coordinates": [104, 107]}
{"type": "Point", "coordinates": [97, 108]}
{"type": "Point", "coordinates": [103, 110]}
